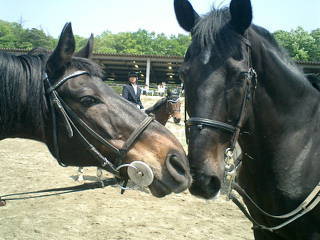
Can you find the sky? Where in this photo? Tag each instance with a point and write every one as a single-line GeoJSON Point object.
{"type": "Point", "coordinates": [97, 16]}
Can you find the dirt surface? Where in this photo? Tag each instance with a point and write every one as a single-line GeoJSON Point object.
{"type": "Point", "coordinates": [103, 213]}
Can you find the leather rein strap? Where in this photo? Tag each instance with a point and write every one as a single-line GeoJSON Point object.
{"type": "Point", "coordinates": [70, 117]}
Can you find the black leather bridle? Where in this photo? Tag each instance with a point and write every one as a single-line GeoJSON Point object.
{"type": "Point", "coordinates": [72, 121]}
{"type": "Point", "coordinates": [250, 84]}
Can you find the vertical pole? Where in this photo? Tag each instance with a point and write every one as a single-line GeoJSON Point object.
{"type": "Point", "coordinates": [148, 72]}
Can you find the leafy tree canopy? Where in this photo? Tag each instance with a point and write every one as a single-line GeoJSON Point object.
{"type": "Point", "coordinates": [300, 44]}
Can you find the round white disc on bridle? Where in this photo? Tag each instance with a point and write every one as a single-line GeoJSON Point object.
{"type": "Point", "coordinates": [140, 173]}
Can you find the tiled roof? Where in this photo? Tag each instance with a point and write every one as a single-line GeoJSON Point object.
{"type": "Point", "coordinates": [139, 55]}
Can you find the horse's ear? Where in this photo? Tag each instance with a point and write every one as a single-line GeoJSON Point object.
{"type": "Point", "coordinates": [241, 15]}
{"type": "Point", "coordinates": [186, 15]}
{"type": "Point", "coordinates": [62, 54]}
{"type": "Point", "coordinates": [86, 52]}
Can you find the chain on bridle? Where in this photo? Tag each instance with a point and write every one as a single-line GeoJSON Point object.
{"type": "Point", "coordinates": [72, 121]}
{"type": "Point", "coordinates": [231, 164]}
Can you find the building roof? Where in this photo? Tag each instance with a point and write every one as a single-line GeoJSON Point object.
{"type": "Point", "coordinates": [163, 68]}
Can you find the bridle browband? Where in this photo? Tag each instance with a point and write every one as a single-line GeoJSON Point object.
{"type": "Point", "coordinates": [231, 165]}
{"type": "Point", "coordinates": [69, 117]}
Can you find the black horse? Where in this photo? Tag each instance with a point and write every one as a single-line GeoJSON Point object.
{"type": "Point", "coordinates": [61, 100]}
{"type": "Point", "coordinates": [237, 78]}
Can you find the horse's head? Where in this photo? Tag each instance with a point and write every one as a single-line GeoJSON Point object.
{"type": "Point", "coordinates": [215, 73]}
{"type": "Point", "coordinates": [102, 115]}
{"type": "Point", "coordinates": [174, 105]}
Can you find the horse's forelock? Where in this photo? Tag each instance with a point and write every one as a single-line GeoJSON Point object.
{"type": "Point", "coordinates": [213, 32]}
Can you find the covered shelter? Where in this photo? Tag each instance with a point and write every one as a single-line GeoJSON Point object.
{"type": "Point", "coordinates": [152, 69]}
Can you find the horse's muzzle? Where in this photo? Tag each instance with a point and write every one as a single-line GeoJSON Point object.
{"type": "Point", "coordinates": [176, 120]}
{"type": "Point", "coordinates": [205, 186]}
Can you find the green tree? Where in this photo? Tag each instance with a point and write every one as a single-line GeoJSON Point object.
{"type": "Point", "coordinates": [300, 44]}
{"type": "Point", "coordinates": [104, 43]}
{"type": "Point", "coordinates": [37, 38]}
{"type": "Point", "coordinates": [13, 35]}
{"type": "Point", "coordinates": [142, 42]}
{"type": "Point", "coordinates": [315, 53]}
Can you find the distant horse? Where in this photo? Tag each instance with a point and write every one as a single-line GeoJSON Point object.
{"type": "Point", "coordinates": [162, 111]}
{"type": "Point", "coordinates": [241, 86]}
{"type": "Point", "coordinates": [169, 106]}
{"type": "Point", "coordinates": [61, 100]}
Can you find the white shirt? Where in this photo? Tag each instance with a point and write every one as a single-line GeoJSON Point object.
{"type": "Point", "coordinates": [135, 88]}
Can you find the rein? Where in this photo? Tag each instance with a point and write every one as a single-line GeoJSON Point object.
{"type": "Point", "coordinates": [53, 191]}
{"type": "Point", "coordinates": [232, 164]}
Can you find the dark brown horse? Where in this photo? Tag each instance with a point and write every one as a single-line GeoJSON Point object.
{"type": "Point", "coordinates": [169, 106]}
{"type": "Point", "coordinates": [240, 85]}
{"type": "Point", "coordinates": [61, 100]}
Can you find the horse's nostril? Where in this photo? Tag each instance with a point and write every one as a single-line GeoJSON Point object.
{"type": "Point", "coordinates": [214, 183]}
{"type": "Point", "coordinates": [176, 165]}
{"type": "Point", "coordinates": [178, 169]}
{"type": "Point", "coordinates": [205, 186]}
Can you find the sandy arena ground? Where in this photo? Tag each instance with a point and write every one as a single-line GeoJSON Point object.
{"type": "Point", "coordinates": [103, 213]}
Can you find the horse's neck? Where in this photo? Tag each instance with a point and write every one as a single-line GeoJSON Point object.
{"type": "Point", "coordinates": [162, 115]}
{"type": "Point", "coordinates": [283, 122]}
{"type": "Point", "coordinates": [24, 128]}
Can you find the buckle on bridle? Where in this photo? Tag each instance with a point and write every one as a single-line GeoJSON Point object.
{"type": "Point", "coordinates": [229, 160]}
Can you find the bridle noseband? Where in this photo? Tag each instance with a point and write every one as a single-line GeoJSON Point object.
{"type": "Point", "coordinates": [70, 119]}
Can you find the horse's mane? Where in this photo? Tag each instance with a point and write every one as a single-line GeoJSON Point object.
{"type": "Point", "coordinates": [269, 39]}
{"type": "Point", "coordinates": [213, 29]}
{"type": "Point", "coordinates": [80, 63]}
{"type": "Point", "coordinates": [156, 106]}
{"type": "Point", "coordinates": [22, 93]}
{"type": "Point", "coordinates": [87, 65]}
{"type": "Point", "coordinates": [213, 32]}
{"type": "Point", "coordinates": [21, 85]}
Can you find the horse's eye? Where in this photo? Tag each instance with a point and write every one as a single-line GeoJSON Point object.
{"type": "Point", "coordinates": [88, 101]}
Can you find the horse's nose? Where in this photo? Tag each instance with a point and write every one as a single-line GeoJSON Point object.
{"type": "Point", "coordinates": [205, 186]}
{"type": "Point", "coordinates": [176, 120]}
{"type": "Point", "coordinates": [179, 170]}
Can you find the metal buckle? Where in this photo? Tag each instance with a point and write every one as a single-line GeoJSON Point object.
{"type": "Point", "coordinates": [229, 170]}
